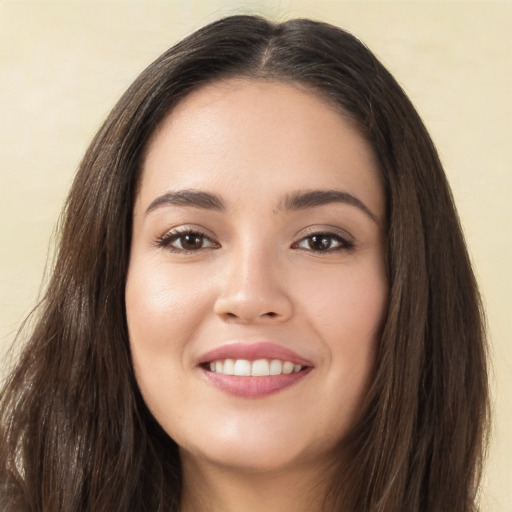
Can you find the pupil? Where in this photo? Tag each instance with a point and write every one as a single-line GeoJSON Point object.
{"type": "Point", "coordinates": [191, 241]}
{"type": "Point", "coordinates": [319, 242]}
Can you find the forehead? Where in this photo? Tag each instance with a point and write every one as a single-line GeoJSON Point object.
{"type": "Point", "coordinates": [247, 135]}
{"type": "Point", "coordinates": [237, 100]}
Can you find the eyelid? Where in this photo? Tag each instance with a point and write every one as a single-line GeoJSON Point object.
{"type": "Point", "coordinates": [325, 229]}
{"type": "Point", "coordinates": [164, 241]}
{"type": "Point", "coordinates": [347, 241]}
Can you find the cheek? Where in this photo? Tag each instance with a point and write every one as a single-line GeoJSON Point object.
{"type": "Point", "coordinates": [163, 312]}
{"type": "Point", "coordinates": [348, 314]}
{"type": "Point", "coordinates": [162, 306]}
{"type": "Point", "coordinates": [351, 306]}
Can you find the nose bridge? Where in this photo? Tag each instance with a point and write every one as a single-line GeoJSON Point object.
{"type": "Point", "coordinates": [253, 286]}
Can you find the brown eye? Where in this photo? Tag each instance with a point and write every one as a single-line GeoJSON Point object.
{"type": "Point", "coordinates": [191, 242]}
{"type": "Point", "coordinates": [324, 242]}
{"type": "Point", "coordinates": [186, 242]}
{"type": "Point", "coordinates": [320, 242]}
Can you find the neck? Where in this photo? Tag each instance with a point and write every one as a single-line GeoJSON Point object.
{"type": "Point", "coordinates": [212, 488]}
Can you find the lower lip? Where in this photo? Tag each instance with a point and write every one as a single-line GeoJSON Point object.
{"type": "Point", "coordinates": [254, 387]}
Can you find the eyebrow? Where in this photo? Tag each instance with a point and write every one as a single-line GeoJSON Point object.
{"type": "Point", "coordinates": [193, 198]}
{"type": "Point", "coordinates": [310, 199]}
{"type": "Point", "coordinates": [295, 201]}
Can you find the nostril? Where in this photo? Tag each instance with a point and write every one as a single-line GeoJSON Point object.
{"type": "Point", "coordinates": [231, 315]}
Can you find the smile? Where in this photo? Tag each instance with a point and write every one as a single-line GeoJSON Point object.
{"type": "Point", "coordinates": [253, 370]}
{"type": "Point", "coordinates": [258, 368]}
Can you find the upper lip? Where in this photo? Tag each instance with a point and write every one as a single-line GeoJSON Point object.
{"type": "Point", "coordinates": [252, 352]}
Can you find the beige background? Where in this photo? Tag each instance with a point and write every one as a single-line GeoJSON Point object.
{"type": "Point", "coordinates": [64, 64]}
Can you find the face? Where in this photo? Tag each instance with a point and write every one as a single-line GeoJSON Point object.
{"type": "Point", "coordinates": [256, 287]}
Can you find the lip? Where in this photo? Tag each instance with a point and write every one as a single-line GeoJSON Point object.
{"type": "Point", "coordinates": [254, 387]}
{"type": "Point", "coordinates": [250, 386]}
{"type": "Point", "coordinates": [252, 352]}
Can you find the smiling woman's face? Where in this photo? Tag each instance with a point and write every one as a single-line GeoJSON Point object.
{"type": "Point", "coordinates": [256, 288]}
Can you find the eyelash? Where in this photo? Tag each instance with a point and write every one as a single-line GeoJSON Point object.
{"type": "Point", "coordinates": [169, 238]}
{"type": "Point", "coordinates": [343, 244]}
{"type": "Point", "coordinates": [166, 241]}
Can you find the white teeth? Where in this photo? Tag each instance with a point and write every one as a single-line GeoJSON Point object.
{"type": "Point", "coordinates": [258, 368]}
{"type": "Point", "coordinates": [287, 367]}
{"type": "Point", "coordinates": [229, 367]}
{"type": "Point", "coordinates": [276, 367]}
{"type": "Point", "coordinates": [242, 367]}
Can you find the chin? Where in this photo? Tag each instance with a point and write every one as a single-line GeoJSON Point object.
{"type": "Point", "coordinates": [244, 459]}
{"type": "Point", "coordinates": [258, 449]}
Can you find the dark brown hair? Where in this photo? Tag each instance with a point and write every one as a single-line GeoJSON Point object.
{"type": "Point", "coordinates": [75, 434]}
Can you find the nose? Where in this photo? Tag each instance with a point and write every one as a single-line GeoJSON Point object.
{"type": "Point", "coordinates": [253, 290]}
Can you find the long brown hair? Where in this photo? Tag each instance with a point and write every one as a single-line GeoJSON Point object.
{"type": "Point", "coordinates": [75, 434]}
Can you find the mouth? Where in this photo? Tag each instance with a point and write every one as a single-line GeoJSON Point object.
{"type": "Point", "coordinates": [258, 368]}
{"type": "Point", "coordinates": [253, 370]}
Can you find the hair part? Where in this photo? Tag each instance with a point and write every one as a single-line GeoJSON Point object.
{"type": "Point", "coordinates": [72, 418]}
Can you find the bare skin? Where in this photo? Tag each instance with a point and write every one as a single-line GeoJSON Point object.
{"type": "Point", "coordinates": [257, 238]}
{"type": "Point", "coordinates": [214, 489]}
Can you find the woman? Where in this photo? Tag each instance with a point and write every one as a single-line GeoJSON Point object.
{"type": "Point", "coordinates": [262, 298]}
